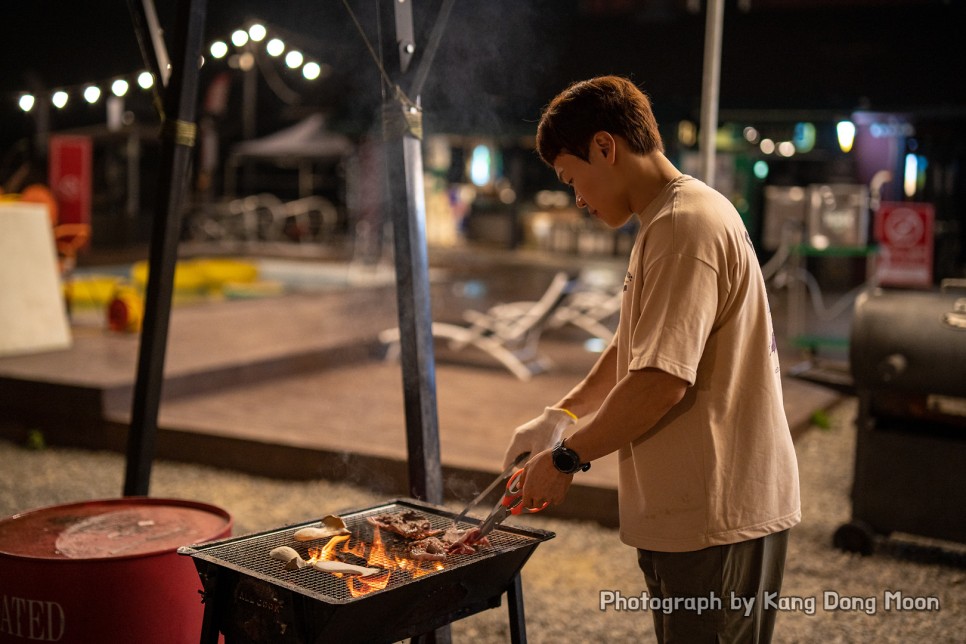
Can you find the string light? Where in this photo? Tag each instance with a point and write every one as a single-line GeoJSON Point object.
{"type": "Point", "coordinates": [275, 47]}
{"type": "Point", "coordinates": [294, 59]}
{"type": "Point", "coordinates": [219, 49]}
{"type": "Point", "coordinates": [256, 32]}
{"type": "Point", "coordinates": [92, 93]}
{"type": "Point", "coordinates": [119, 87]}
{"type": "Point", "coordinates": [239, 38]}
{"type": "Point", "coordinates": [311, 70]}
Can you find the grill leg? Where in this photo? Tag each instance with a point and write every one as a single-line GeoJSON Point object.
{"type": "Point", "coordinates": [514, 605]}
{"type": "Point", "coordinates": [209, 628]}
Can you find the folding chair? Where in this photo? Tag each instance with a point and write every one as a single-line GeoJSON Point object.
{"type": "Point", "coordinates": [508, 332]}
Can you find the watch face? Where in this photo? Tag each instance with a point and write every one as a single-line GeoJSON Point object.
{"type": "Point", "coordinates": [566, 460]}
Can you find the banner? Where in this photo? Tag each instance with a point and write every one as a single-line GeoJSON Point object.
{"type": "Point", "coordinates": [69, 176]}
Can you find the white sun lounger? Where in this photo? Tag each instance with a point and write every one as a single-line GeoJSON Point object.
{"type": "Point", "coordinates": [587, 310]}
{"type": "Point", "coordinates": [508, 332]}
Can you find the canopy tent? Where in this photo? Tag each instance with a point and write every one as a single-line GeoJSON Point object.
{"type": "Point", "coordinates": [301, 145]}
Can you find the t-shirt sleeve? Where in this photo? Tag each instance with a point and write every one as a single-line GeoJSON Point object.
{"type": "Point", "coordinates": [678, 304]}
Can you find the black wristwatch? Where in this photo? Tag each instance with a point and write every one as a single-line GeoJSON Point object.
{"type": "Point", "coordinates": [566, 460]}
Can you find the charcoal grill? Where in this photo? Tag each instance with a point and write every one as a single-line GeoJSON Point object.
{"type": "Point", "coordinates": [908, 360]}
{"type": "Point", "coordinates": [249, 597]}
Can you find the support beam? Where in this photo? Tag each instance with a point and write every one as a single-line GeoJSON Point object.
{"type": "Point", "coordinates": [710, 84]}
{"type": "Point", "coordinates": [177, 141]}
{"type": "Point", "coordinates": [402, 134]}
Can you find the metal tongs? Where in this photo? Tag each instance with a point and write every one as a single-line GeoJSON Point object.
{"type": "Point", "coordinates": [510, 503]}
{"type": "Point", "coordinates": [503, 476]}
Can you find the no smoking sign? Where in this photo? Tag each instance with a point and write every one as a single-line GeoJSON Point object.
{"type": "Point", "coordinates": [904, 234]}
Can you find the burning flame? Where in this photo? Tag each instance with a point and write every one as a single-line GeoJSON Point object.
{"type": "Point", "coordinates": [327, 552]}
{"type": "Point", "coordinates": [358, 550]}
{"type": "Point", "coordinates": [359, 586]}
{"type": "Point", "coordinates": [377, 554]}
{"type": "Point", "coordinates": [377, 557]}
{"type": "Point", "coordinates": [431, 567]}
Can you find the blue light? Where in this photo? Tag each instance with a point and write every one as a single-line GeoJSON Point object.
{"type": "Point", "coordinates": [760, 169]}
{"type": "Point", "coordinates": [481, 166]}
{"type": "Point", "coordinates": [804, 137]}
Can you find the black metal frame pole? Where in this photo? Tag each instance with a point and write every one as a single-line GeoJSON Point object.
{"type": "Point", "coordinates": [177, 142]}
{"type": "Point", "coordinates": [402, 133]}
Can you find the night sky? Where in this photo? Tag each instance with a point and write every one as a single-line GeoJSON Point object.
{"type": "Point", "coordinates": [501, 60]}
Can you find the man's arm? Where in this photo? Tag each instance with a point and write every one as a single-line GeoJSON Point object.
{"type": "Point", "coordinates": [591, 392]}
{"type": "Point", "coordinates": [633, 407]}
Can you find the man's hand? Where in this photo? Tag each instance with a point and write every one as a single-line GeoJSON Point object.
{"type": "Point", "coordinates": [543, 432]}
{"type": "Point", "coordinates": [542, 482]}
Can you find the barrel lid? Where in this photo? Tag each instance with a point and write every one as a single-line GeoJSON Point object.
{"type": "Point", "coordinates": [111, 528]}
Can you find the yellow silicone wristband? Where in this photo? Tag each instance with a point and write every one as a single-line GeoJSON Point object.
{"type": "Point", "coordinates": [569, 413]}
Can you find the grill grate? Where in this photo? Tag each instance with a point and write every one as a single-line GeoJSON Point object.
{"type": "Point", "coordinates": [249, 554]}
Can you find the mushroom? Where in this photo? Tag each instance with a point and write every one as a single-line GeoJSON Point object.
{"type": "Point", "coordinates": [330, 526]}
{"type": "Point", "coordinates": [292, 559]}
{"type": "Point", "coordinates": [349, 569]}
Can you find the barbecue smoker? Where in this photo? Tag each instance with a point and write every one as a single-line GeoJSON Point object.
{"type": "Point", "coordinates": [908, 360]}
{"type": "Point", "coordinates": [250, 597]}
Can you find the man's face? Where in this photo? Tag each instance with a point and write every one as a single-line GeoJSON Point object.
{"type": "Point", "coordinates": [594, 184]}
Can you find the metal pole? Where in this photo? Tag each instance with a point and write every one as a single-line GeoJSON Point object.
{"type": "Point", "coordinates": [163, 71]}
{"type": "Point", "coordinates": [177, 140]}
{"type": "Point", "coordinates": [402, 133]}
{"type": "Point", "coordinates": [710, 84]}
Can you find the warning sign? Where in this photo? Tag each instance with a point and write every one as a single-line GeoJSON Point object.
{"type": "Point", "coordinates": [904, 232]}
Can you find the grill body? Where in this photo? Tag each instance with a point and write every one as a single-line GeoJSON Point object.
{"type": "Point", "coordinates": [908, 359]}
{"type": "Point", "coordinates": [251, 598]}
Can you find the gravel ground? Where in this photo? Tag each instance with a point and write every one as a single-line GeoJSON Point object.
{"type": "Point", "coordinates": [565, 576]}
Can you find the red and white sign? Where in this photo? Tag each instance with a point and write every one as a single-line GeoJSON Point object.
{"type": "Point", "coordinates": [69, 176]}
{"type": "Point", "coordinates": [904, 232]}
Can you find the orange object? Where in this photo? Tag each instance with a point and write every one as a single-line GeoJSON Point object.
{"type": "Point", "coordinates": [125, 311]}
{"type": "Point", "coordinates": [70, 238]}
{"type": "Point", "coordinates": [39, 193]}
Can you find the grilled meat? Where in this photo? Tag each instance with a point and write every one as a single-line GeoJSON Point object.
{"type": "Point", "coordinates": [408, 524]}
{"type": "Point", "coordinates": [452, 542]}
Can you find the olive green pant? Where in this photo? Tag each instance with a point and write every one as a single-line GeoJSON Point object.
{"type": "Point", "coordinates": [746, 577]}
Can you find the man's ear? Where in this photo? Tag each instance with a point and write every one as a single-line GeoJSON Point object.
{"type": "Point", "coordinates": [606, 144]}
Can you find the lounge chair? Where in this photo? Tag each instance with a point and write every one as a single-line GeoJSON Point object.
{"type": "Point", "coordinates": [508, 332]}
{"type": "Point", "coordinates": [587, 310]}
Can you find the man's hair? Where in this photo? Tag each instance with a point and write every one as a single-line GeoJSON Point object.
{"type": "Point", "coordinates": [608, 103]}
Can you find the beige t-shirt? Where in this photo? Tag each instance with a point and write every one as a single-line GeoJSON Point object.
{"type": "Point", "coordinates": [720, 467]}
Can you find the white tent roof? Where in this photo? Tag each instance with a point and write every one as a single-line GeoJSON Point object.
{"type": "Point", "coordinates": [308, 138]}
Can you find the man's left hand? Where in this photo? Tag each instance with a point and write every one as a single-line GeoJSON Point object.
{"type": "Point", "coordinates": [543, 482]}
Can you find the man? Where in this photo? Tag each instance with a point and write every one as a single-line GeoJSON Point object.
{"type": "Point", "coordinates": [689, 391]}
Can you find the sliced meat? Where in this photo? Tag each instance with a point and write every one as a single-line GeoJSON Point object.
{"type": "Point", "coordinates": [428, 549]}
{"type": "Point", "coordinates": [408, 524]}
{"type": "Point", "coordinates": [451, 542]}
{"type": "Point", "coordinates": [464, 542]}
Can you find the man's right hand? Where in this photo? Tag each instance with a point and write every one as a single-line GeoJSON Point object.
{"type": "Point", "coordinates": [541, 433]}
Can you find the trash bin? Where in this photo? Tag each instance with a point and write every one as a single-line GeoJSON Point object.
{"type": "Point", "coordinates": [104, 571]}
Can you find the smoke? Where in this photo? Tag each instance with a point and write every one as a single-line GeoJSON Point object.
{"type": "Point", "coordinates": [492, 65]}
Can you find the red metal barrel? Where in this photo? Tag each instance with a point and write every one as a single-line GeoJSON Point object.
{"type": "Point", "coordinates": [105, 571]}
